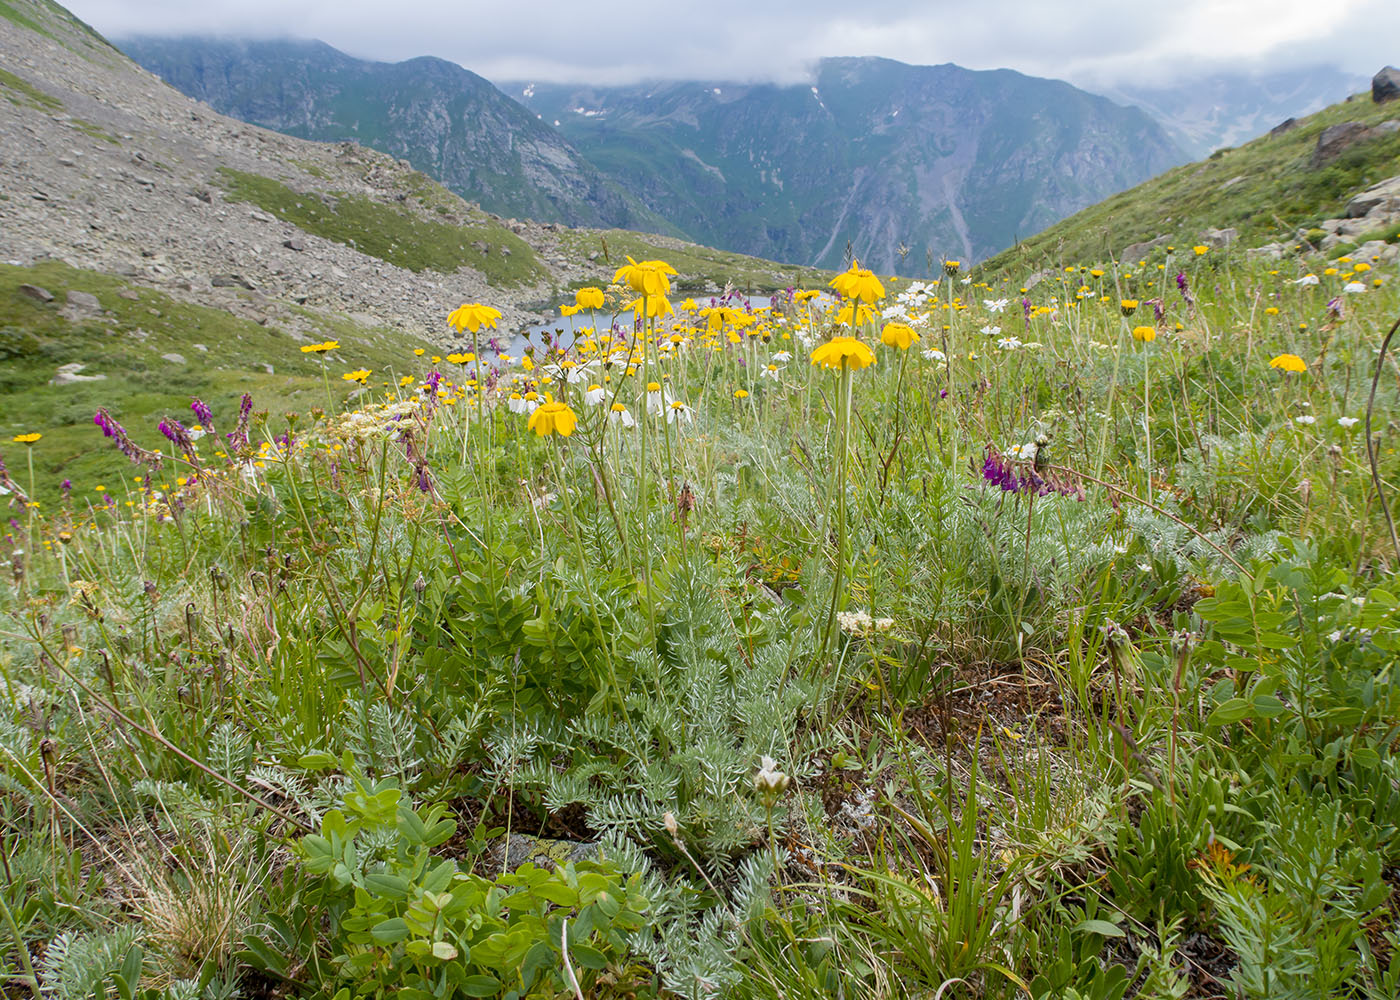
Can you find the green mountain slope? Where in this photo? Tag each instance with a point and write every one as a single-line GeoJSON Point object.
{"type": "Point", "coordinates": [1267, 190]}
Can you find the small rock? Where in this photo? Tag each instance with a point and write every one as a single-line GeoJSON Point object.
{"type": "Point", "coordinates": [481, 247]}
{"type": "Point", "coordinates": [261, 216]}
{"type": "Point", "coordinates": [1287, 125]}
{"type": "Point", "coordinates": [1385, 85]}
{"type": "Point", "coordinates": [64, 161]}
{"type": "Point", "coordinates": [295, 244]}
{"type": "Point", "coordinates": [231, 281]}
{"type": "Point", "coordinates": [1134, 253]}
{"type": "Point", "coordinates": [200, 347]}
{"type": "Point", "coordinates": [1370, 249]}
{"type": "Point", "coordinates": [1220, 238]}
{"type": "Point", "coordinates": [267, 368]}
{"type": "Point", "coordinates": [36, 293]}
{"type": "Point", "coordinates": [173, 358]}
{"type": "Point", "coordinates": [129, 295]}
{"type": "Point", "coordinates": [83, 302]}
{"type": "Point", "coordinates": [68, 374]}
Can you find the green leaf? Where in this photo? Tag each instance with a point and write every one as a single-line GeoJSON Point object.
{"type": "Point", "coordinates": [393, 886]}
{"type": "Point", "coordinates": [1230, 711]}
{"type": "Point", "coordinates": [1266, 706]}
{"type": "Point", "coordinates": [557, 893]}
{"type": "Point", "coordinates": [389, 931]}
{"type": "Point", "coordinates": [592, 958]}
{"type": "Point", "coordinates": [444, 951]}
{"type": "Point", "coordinates": [1365, 757]}
{"type": "Point", "coordinates": [481, 986]}
{"type": "Point", "coordinates": [317, 761]}
{"type": "Point", "coordinates": [1100, 927]}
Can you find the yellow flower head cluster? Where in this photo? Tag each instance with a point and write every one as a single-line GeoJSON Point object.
{"type": "Point", "coordinates": [29, 438]}
{"type": "Point", "coordinates": [553, 418]}
{"type": "Point", "coordinates": [1145, 334]}
{"type": "Point", "coordinates": [855, 314]}
{"type": "Point", "coordinates": [859, 284]}
{"type": "Point", "coordinates": [588, 298]}
{"type": "Point", "coordinates": [1289, 363]}
{"type": "Point", "coordinates": [472, 316]}
{"type": "Point", "coordinates": [361, 376]}
{"type": "Point", "coordinates": [845, 353]}
{"type": "Point", "coordinates": [652, 306]}
{"type": "Point", "coordinates": [650, 277]}
{"type": "Point", "coordinates": [321, 348]}
{"type": "Point", "coordinates": [1128, 306]}
{"type": "Point", "coordinates": [899, 335]}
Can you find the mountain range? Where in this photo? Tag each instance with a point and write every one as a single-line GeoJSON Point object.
{"type": "Point", "coordinates": [900, 165]}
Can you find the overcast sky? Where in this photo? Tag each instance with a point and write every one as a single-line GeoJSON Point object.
{"type": "Point", "coordinates": [608, 41]}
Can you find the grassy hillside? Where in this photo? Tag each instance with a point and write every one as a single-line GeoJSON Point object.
{"type": "Point", "coordinates": [1266, 189]}
{"type": "Point", "coordinates": [125, 342]}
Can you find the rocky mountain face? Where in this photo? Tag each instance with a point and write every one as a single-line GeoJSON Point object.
{"type": "Point", "coordinates": [108, 169]}
{"type": "Point", "coordinates": [1206, 113]}
{"type": "Point", "coordinates": [900, 165]}
{"type": "Point", "coordinates": [446, 121]}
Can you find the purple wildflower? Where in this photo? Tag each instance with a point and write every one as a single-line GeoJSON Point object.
{"type": "Point", "coordinates": [179, 436]}
{"type": "Point", "coordinates": [238, 437]}
{"type": "Point", "coordinates": [998, 471]}
{"type": "Point", "coordinates": [129, 448]}
{"type": "Point", "coordinates": [203, 414]}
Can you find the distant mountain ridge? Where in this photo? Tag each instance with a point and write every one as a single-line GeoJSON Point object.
{"type": "Point", "coordinates": [445, 120]}
{"type": "Point", "coordinates": [900, 165]}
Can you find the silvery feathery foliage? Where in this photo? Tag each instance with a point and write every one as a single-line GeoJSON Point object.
{"type": "Point", "coordinates": [230, 751]}
{"type": "Point", "coordinates": [1168, 540]}
{"type": "Point", "coordinates": [385, 737]}
{"type": "Point", "coordinates": [75, 966]}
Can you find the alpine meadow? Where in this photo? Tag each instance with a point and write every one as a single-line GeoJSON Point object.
{"type": "Point", "coordinates": [399, 599]}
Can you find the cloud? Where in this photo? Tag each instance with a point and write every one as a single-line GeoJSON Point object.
{"type": "Point", "coordinates": [609, 42]}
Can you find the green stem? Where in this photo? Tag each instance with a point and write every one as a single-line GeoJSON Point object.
{"type": "Point", "coordinates": [842, 471]}
{"type": "Point", "coordinates": [29, 978]}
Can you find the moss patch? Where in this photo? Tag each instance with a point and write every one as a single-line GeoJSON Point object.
{"type": "Point", "coordinates": [25, 94]}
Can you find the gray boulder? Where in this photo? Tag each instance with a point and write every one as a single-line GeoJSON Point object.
{"type": "Point", "coordinates": [1384, 196]}
{"type": "Point", "coordinates": [1385, 85]}
{"type": "Point", "coordinates": [1336, 139]}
